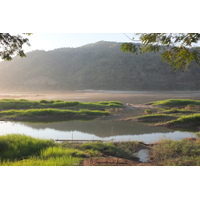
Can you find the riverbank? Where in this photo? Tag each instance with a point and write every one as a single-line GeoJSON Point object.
{"type": "Point", "coordinates": [21, 150]}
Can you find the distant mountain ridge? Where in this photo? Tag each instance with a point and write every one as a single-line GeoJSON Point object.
{"type": "Point", "coordinates": [100, 65]}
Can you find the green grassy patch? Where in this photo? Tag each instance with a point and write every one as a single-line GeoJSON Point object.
{"type": "Point", "coordinates": [176, 153]}
{"type": "Point", "coordinates": [50, 113]}
{"type": "Point", "coordinates": [22, 150]}
{"type": "Point", "coordinates": [176, 111]}
{"type": "Point", "coordinates": [26, 104]}
{"type": "Point", "coordinates": [156, 118]}
{"type": "Point", "coordinates": [175, 102]}
{"type": "Point", "coordinates": [51, 161]}
{"type": "Point", "coordinates": [16, 146]}
{"type": "Point", "coordinates": [189, 121]}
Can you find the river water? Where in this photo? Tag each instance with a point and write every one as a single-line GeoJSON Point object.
{"type": "Point", "coordinates": [109, 129]}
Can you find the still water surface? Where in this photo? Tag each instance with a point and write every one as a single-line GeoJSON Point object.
{"type": "Point", "coordinates": [89, 130]}
{"type": "Point", "coordinates": [103, 129]}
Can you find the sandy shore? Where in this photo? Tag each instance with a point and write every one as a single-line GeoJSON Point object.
{"type": "Point", "coordinates": [95, 96]}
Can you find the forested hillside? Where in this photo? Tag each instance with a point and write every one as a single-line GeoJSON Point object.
{"type": "Point", "coordinates": [101, 65]}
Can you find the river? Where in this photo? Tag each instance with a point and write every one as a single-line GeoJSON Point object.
{"type": "Point", "coordinates": [111, 129]}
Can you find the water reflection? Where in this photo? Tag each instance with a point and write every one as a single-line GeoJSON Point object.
{"type": "Point", "coordinates": [97, 129]}
{"type": "Point", "coordinates": [100, 129]}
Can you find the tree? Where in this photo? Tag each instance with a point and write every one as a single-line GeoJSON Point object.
{"type": "Point", "coordinates": [12, 45]}
{"type": "Point", "coordinates": [177, 49]}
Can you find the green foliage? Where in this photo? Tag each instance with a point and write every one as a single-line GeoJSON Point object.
{"type": "Point", "coordinates": [99, 66]}
{"type": "Point", "coordinates": [12, 45]}
{"type": "Point", "coordinates": [177, 48]}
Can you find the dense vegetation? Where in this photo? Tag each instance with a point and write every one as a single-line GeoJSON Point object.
{"type": "Point", "coordinates": [22, 150]}
{"type": "Point", "coordinates": [101, 65]}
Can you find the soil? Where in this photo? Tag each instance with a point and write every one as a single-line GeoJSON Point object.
{"type": "Point", "coordinates": [112, 161]}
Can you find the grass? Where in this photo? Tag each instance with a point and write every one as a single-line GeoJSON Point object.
{"type": "Point", "coordinates": [22, 150]}
{"type": "Point", "coordinates": [181, 114]}
{"type": "Point", "coordinates": [23, 110]}
{"type": "Point", "coordinates": [50, 113]}
{"type": "Point", "coordinates": [51, 161]}
{"type": "Point", "coordinates": [175, 102]}
{"type": "Point", "coordinates": [155, 118]}
{"type": "Point", "coordinates": [16, 146]}
{"type": "Point", "coordinates": [26, 104]}
{"type": "Point", "coordinates": [118, 149]}
{"type": "Point", "coordinates": [188, 121]}
{"type": "Point", "coordinates": [176, 153]}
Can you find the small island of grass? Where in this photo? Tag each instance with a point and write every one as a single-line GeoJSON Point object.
{"type": "Point", "coordinates": [43, 110]}
{"type": "Point", "coordinates": [174, 114]}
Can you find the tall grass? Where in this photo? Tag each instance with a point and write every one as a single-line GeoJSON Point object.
{"type": "Point", "coordinates": [60, 151]}
{"type": "Point", "coordinates": [51, 161]}
{"type": "Point", "coordinates": [16, 146]}
{"type": "Point", "coordinates": [52, 156]}
{"type": "Point", "coordinates": [22, 150]}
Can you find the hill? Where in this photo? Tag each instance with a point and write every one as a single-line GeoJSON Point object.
{"type": "Point", "coordinates": [101, 65]}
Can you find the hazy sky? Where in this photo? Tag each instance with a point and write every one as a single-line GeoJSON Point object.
{"type": "Point", "coordinates": [49, 41]}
